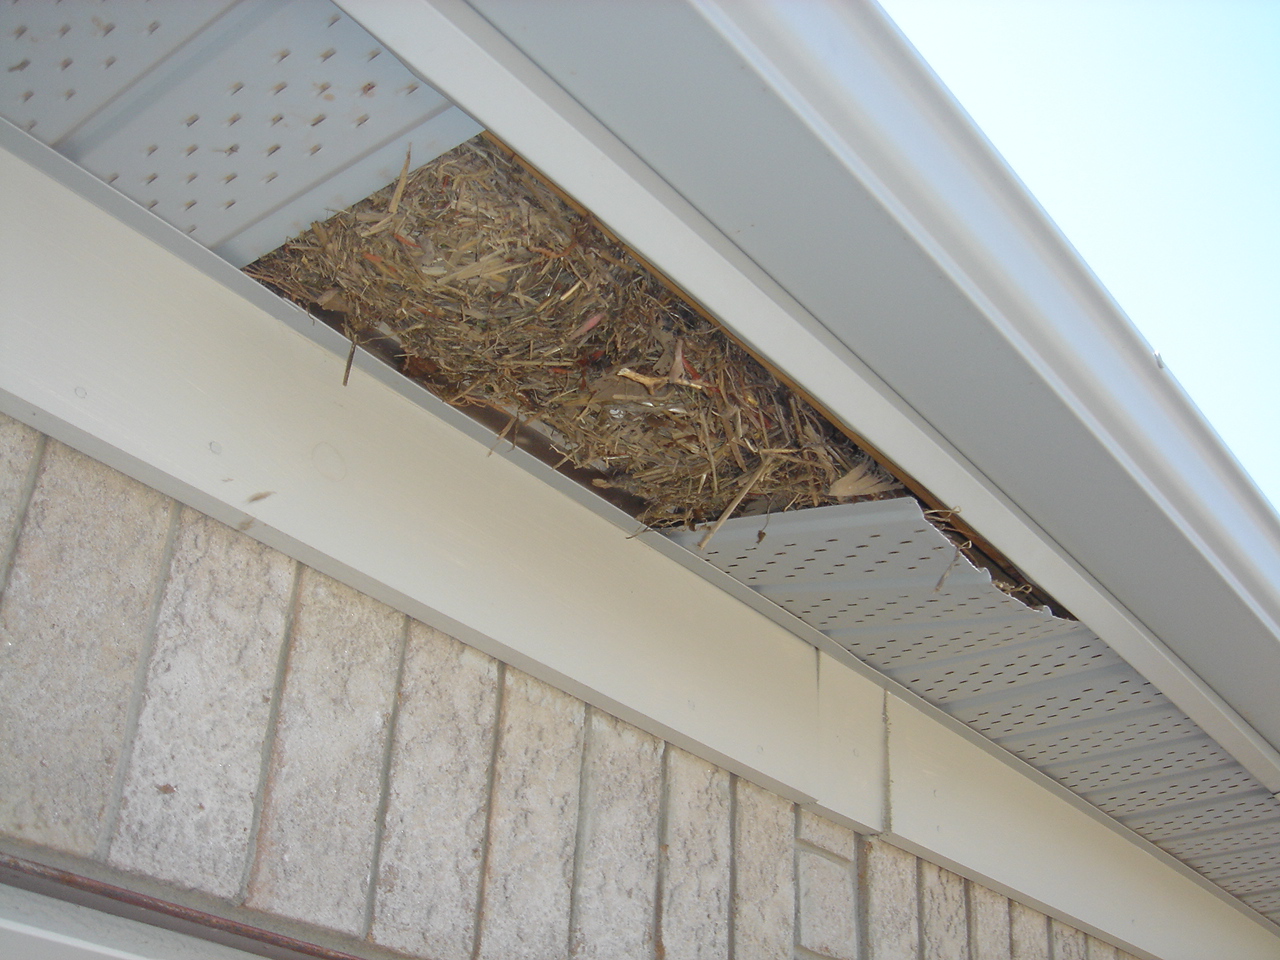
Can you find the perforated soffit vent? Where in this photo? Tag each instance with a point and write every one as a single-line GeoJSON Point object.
{"type": "Point", "coordinates": [237, 123]}
{"type": "Point", "coordinates": [241, 123]}
{"type": "Point", "coordinates": [882, 582]}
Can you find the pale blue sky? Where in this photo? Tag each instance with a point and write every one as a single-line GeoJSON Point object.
{"type": "Point", "coordinates": [1150, 132]}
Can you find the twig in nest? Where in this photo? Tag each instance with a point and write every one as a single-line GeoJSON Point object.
{"type": "Point", "coordinates": [394, 205]}
{"type": "Point", "coordinates": [765, 465]}
{"type": "Point", "coordinates": [864, 479]}
{"type": "Point", "coordinates": [649, 383]}
{"type": "Point", "coordinates": [587, 326]}
{"type": "Point", "coordinates": [502, 436]}
{"type": "Point", "coordinates": [679, 374]}
{"type": "Point", "coordinates": [351, 356]}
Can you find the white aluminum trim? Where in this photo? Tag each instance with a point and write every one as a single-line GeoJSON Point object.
{"type": "Point", "coordinates": [461, 54]}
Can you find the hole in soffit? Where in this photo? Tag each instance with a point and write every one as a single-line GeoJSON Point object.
{"type": "Point", "coordinates": [479, 280]}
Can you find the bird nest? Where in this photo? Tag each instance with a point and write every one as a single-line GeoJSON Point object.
{"type": "Point", "coordinates": [487, 287]}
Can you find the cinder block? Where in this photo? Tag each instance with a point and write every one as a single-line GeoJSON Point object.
{"type": "Point", "coordinates": [532, 823]}
{"type": "Point", "coordinates": [828, 905]}
{"type": "Point", "coordinates": [18, 446]}
{"type": "Point", "coordinates": [616, 884]}
{"type": "Point", "coordinates": [1068, 942]}
{"type": "Point", "coordinates": [428, 887]}
{"type": "Point", "coordinates": [764, 865]}
{"type": "Point", "coordinates": [831, 837]}
{"type": "Point", "coordinates": [315, 844]}
{"type": "Point", "coordinates": [1097, 950]}
{"type": "Point", "coordinates": [196, 760]}
{"type": "Point", "coordinates": [1028, 933]}
{"type": "Point", "coordinates": [944, 919]}
{"type": "Point", "coordinates": [893, 917]}
{"type": "Point", "coordinates": [73, 625]}
{"type": "Point", "coordinates": [695, 865]}
{"type": "Point", "coordinates": [989, 913]}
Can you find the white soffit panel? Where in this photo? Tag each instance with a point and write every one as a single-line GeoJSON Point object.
{"type": "Point", "coordinates": [953, 802]}
{"type": "Point", "coordinates": [239, 124]}
{"type": "Point", "coordinates": [65, 62]}
{"type": "Point", "coordinates": [878, 579]}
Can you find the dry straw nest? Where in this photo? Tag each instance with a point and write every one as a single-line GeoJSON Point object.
{"type": "Point", "coordinates": [505, 300]}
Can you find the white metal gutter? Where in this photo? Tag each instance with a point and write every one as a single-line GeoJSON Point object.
{"type": "Point", "coordinates": [840, 213]}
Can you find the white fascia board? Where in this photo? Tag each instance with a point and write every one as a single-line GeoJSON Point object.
{"type": "Point", "coordinates": [126, 339]}
{"type": "Point", "coordinates": [186, 378]}
{"type": "Point", "coordinates": [935, 293]}
{"type": "Point", "coordinates": [953, 803]}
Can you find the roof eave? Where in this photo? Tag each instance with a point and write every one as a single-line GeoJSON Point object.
{"type": "Point", "coordinates": [800, 171]}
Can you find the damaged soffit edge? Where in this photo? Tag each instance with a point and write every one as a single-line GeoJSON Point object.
{"type": "Point", "coordinates": [924, 279]}
{"type": "Point", "coordinates": [883, 583]}
{"type": "Point", "coordinates": [239, 124]}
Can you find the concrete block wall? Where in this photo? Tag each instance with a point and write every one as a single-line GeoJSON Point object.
{"type": "Point", "coordinates": [193, 715]}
